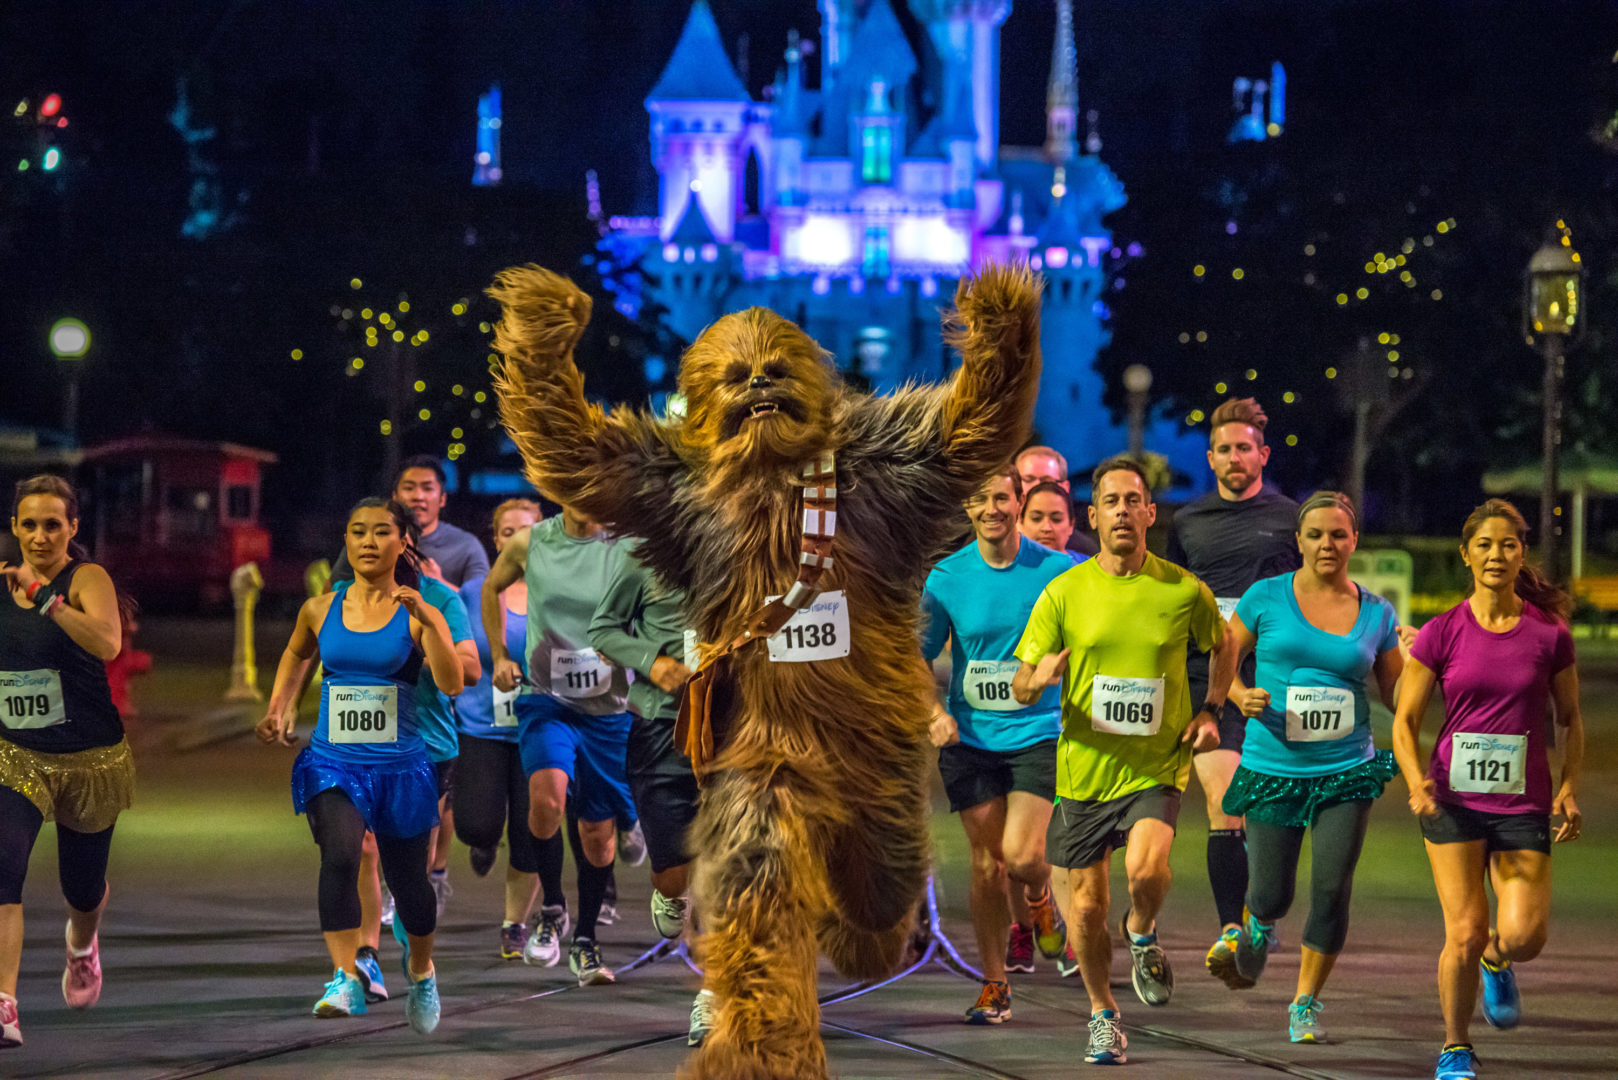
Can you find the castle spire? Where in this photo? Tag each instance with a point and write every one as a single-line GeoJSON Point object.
{"type": "Point", "coordinates": [700, 69]}
{"type": "Point", "coordinates": [1062, 94]}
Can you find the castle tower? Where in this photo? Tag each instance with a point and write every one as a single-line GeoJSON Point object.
{"type": "Point", "coordinates": [790, 129]}
{"type": "Point", "coordinates": [966, 34]}
{"type": "Point", "coordinates": [1062, 92]}
{"type": "Point", "coordinates": [699, 111]}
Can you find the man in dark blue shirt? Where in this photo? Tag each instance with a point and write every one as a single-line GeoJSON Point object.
{"type": "Point", "coordinates": [453, 556]}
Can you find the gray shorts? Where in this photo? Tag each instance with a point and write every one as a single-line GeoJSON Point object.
{"type": "Point", "coordinates": [1084, 833]}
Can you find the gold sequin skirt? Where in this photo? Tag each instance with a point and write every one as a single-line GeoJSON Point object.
{"type": "Point", "coordinates": [83, 791]}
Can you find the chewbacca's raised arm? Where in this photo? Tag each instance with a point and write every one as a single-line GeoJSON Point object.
{"type": "Point", "coordinates": [616, 468]}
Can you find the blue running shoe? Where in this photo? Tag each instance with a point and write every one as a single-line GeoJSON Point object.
{"type": "Point", "coordinates": [1107, 1041]}
{"type": "Point", "coordinates": [369, 966]}
{"type": "Point", "coordinates": [1502, 1007]}
{"type": "Point", "coordinates": [1303, 1021]}
{"type": "Point", "coordinates": [344, 996]}
{"type": "Point", "coordinates": [421, 1006]}
{"type": "Point", "coordinates": [1253, 947]}
{"type": "Point", "coordinates": [1457, 1063]}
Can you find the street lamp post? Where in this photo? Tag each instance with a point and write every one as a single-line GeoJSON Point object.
{"type": "Point", "coordinates": [1551, 316]}
{"type": "Point", "coordinates": [69, 341]}
{"type": "Point", "coordinates": [1137, 380]}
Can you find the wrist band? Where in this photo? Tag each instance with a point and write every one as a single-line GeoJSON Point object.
{"type": "Point", "coordinates": [1213, 708]}
{"type": "Point", "coordinates": [48, 608]}
{"type": "Point", "coordinates": [30, 590]}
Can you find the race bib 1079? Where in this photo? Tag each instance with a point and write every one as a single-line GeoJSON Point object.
{"type": "Point", "coordinates": [986, 685]}
{"type": "Point", "coordinates": [1319, 713]}
{"type": "Point", "coordinates": [1126, 706]}
{"type": "Point", "coordinates": [818, 632]}
{"type": "Point", "coordinates": [1488, 764]}
{"type": "Point", "coordinates": [362, 714]}
{"type": "Point", "coordinates": [31, 699]}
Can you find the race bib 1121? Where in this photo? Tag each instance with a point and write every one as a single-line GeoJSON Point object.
{"type": "Point", "coordinates": [579, 673]}
{"type": "Point", "coordinates": [986, 685]}
{"type": "Point", "coordinates": [1488, 764]}
{"type": "Point", "coordinates": [818, 632]}
{"type": "Point", "coordinates": [1126, 706]}
{"type": "Point", "coordinates": [31, 699]}
{"type": "Point", "coordinates": [362, 714]}
{"type": "Point", "coordinates": [1319, 713]}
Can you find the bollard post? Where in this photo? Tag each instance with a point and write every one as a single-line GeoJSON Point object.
{"type": "Point", "coordinates": [245, 583]}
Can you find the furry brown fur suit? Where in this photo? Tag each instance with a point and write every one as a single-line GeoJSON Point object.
{"type": "Point", "coordinates": [813, 830]}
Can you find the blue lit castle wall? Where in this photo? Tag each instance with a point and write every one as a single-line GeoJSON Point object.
{"type": "Point", "coordinates": [854, 210]}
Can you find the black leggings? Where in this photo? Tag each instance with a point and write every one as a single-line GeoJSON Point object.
{"type": "Point", "coordinates": [1272, 865]}
{"type": "Point", "coordinates": [340, 831]}
{"type": "Point", "coordinates": [81, 858]}
{"type": "Point", "coordinates": [491, 794]}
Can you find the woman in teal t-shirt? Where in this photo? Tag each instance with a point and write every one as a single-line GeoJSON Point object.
{"type": "Point", "coordinates": [1308, 762]}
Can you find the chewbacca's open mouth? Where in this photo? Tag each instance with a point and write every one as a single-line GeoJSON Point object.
{"type": "Point", "coordinates": [762, 408]}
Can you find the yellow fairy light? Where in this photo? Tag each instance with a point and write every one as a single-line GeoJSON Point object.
{"type": "Point", "coordinates": [387, 427]}
{"type": "Point", "coordinates": [1252, 373]}
{"type": "Point", "coordinates": [455, 433]}
{"type": "Point", "coordinates": [1438, 294]}
{"type": "Point", "coordinates": [1308, 249]}
{"type": "Point", "coordinates": [1382, 338]}
{"type": "Point", "coordinates": [424, 336]}
{"type": "Point", "coordinates": [1342, 298]}
{"type": "Point", "coordinates": [1442, 227]}
{"type": "Point", "coordinates": [404, 307]}
{"type": "Point", "coordinates": [1292, 440]}
{"type": "Point", "coordinates": [297, 354]}
{"type": "Point", "coordinates": [398, 335]}
{"type": "Point", "coordinates": [1237, 273]}
{"type": "Point", "coordinates": [1370, 268]}
{"type": "Point", "coordinates": [1362, 292]}
{"type": "Point", "coordinates": [355, 283]}
{"type": "Point", "coordinates": [1199, 270]}
{"type": "Point", "coordinates": [1331, 373]}
{"type": "Point", "coordinates": [483, 327]}
{"type": "Point", "coordinates": [420, 385]}
{"type": "Point", "coordinates": [1184, 337]}
{"type": "Point", "coordinates": [1202, 335]}
{"type": "Point", "coordinates": [1393, 356]}
{"type": "Point", "coordinates": [365, 313]}
{"type": "Point", "coordinates": [480, 397]}
{"type": "Point", "coordinates": [425, 414]}
{"type": "Point", "coordinates": [357, 363]}
{"type": "Point", "coordinates": [458, 309]}
{"type": "Point", "coordinates": [457, 389]}
{"type": "Point", "coordinates": [1289, 397]}
{"type": "Point", "coordinates": [1219, 388]}
{"type": "Point", "coordinates": [1195, 417]}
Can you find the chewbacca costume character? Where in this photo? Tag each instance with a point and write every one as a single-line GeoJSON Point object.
{"type": "Point", "coordinates": [813, 830]}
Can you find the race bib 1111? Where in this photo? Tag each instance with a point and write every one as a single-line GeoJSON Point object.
{"type": "Point", "coordinates": [1126, 706]}
{"type": "Point", "coordinates": [986, 685]}
{"type": "Point", "coordinates": [362, 714]}
{"type": "Point", "coordinates": [1488, 764]}
{"type": "Point", "coordinates": [579, 673]}
{"type": "Point", "coordinates": [1319, 713]}
{"type": "Point", "coordinates": [31, 699]}
{"type": "Point", "coordinates": [818, 632]}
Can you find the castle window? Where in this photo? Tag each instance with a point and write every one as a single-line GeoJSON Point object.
{"type": "Point", "coordinates": [876, 154]}
{"type": "Point", "coordinates": [875, 261]}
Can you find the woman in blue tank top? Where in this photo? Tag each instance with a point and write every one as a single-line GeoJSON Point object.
{"type": "Point", "coordinates": [366, 767]}
{"type": "Point", "coordinates": [492, 790]}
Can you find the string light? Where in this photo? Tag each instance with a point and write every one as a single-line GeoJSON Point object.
{"type": "Point", "coordinates": [480, 397]}
{"type": "Point", "coordinates": [398, 335]}
{"type": "Point", "coordinates": [420, 386]}
{"type": "Point", "coordinates": [1331, 373]}
{"type": "Point", "coordinates": [387, 427]}
{"type": "Point", "coordinates": [1199, 270]}
{"type": "Point", "coordinates": [1202, 335]}
{"type": "Point", "coordinates": [425, 414]}
{"type": "Point", "coordinates": [455, 433]}
{"type": "Point", "coordinates": [1292, 440]}
{"type": "Point", "coordinates": [355, 283]}
{"type": "Point", "coordinates": [357, 363]}
{"type": "Point", "coordinates": [1342, 298]}
{"type": "Point", "coordinates": [457, 389]}
{"type": "Point", "coordinates": [1289, 397]}
{"type": "Point", "coordinates": [297, 354]}
{"type": "Point", "coordinates": [458, 309]}
{"type": "Point", "coordinates": [1220, 388]}
{"type": "Point", "coordinates": [1252, 373]}
{"type": "Point", "coordinates": [1237, 273]}
{"type": "Point", "coordinates": [1185, 338]}
{"type": "Point", "coordinates": [1362, 292]}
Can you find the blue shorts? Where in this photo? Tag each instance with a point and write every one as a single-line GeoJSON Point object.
{"type": "Point", "coordinates": [592, 750]}
{"type": "Point", "coordinates": [396, 800]}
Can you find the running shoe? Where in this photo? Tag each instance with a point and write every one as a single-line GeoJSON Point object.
{"type": "Point", "coordinates": [668, 915]}
{"type": "Point", "coordinates": [1150, 973]}
{"type": "Point", "coordinates": [81, 978]}
{"type": "Point", "coordinates": [1222, 960]}
{"type": "Point", "coordinates": [442, 890]}
{"type": "Point", "coordinates": [482, 859]}
{"type": "Point", "coordinates": [10, 1029]}
{"type": "Point", "coordinates": [1107, 1040]}
{"type": "Point", "coordinates": [608, 914]}
{"type": "Point", "coordinates": [584, 960]}
{"type": "Point", "coordinates": [387, 907]}
{"type": "Point", "coordinates": [702, 1014]}
{"type": "Point", "coordinates": [1253, 947]}
{"type": "Point", "coordinates": [1020, 949]}
{"type": "Point", "coordinates": [1502, 1006]}
{"type": "Point", "coordinates": [1067, 965]}
{"type": "Point", "coordinates": [632, 845]}
{"type": "Point", "coordinates": [993, 1004]}
{"type": "Point", "coordinates": [1456, 1063]}
{"type": "Point", "coordinates": [369, 967]}
{"type": "Point", "coordinates": [544, 946]}
{"type": "Point", "coordinates": [344, 996]}
{"type": "Point", "coordinates": [1303, 1021]}
{"type": "Point", "coordinates": [421, 1005]}
{"type": "Point", "coordinates": [513, 937]}
{"type": "Point", "coordinates": [1050, 929]}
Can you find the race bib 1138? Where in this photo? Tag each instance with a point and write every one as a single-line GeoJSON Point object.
{"type": "Point", "coordinates": [1319, 713]}
{"type": "Point", "coordinates": [31, 699]}
{"type": "Point", "coordinates": [1488, 764]}
{"type": "Point", "coordinates": [818, 632]}
{"type": "Point", "coordinates": [1126, 706]}
{"type": "Point", "coordinates": [362, 714]}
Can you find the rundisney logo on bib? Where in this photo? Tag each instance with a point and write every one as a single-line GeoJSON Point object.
{"type": "Point", "coordinates": [1319, 713]}
{"type": "Point", "coordinates": [363, 714]}
{"type": "Point", "coordinates": [1482, 764]}
{"type": "Point", "coordinates": [818, 632]}
{"type": "Point", "coordinates": [1126, 706]}
{"type": "Point", "coordinates": [31, 699]}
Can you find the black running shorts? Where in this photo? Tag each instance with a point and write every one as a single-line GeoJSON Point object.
{"type": "Point", "coordinates": [1083, 833]}
{"type": "Point", "coordinates": [445, 771]}
{"type": "Point", "coordinates": [664, 790]}
{"type": "Point", "coordinates": [1499, 832]}
{"type": "Point", "coordinates": [973, 777]}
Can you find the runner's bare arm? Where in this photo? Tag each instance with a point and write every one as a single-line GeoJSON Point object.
{"type": "Point", "coordinates": [1415, 691]}
{"type": "Point", "coordinates": [507, 571]}
{"type": "Point", "coordinates": [1569, 717]}
{"type": "Point", "coordinates": [297, 660]}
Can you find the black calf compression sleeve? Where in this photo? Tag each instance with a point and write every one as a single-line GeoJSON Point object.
{"type": "Point", "coordinates": [1227, 872]}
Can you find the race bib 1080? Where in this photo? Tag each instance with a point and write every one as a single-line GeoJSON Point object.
{"type": "Point", "coordinates": [986, 685]}
{"type": "Point", "coordinates": [1126, 706]}
{"type": "Point", "coordinates": [1488, 764]}
{"type": "Point", "coordinates": [818, 632]}
{"type": "Point", "coordinates": [31, 699]}
{"type": "Point", "coordinates": [1319, 713]}
{"type": "Point", "coordinates": [505, 706]}
{"type": "Point", "coordinates": [362, 714]}
{"type": "Point", "coordinates": [579, 673]}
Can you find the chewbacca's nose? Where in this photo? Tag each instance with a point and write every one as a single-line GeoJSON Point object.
{"type": "Point", "coordinates": [759, 382]}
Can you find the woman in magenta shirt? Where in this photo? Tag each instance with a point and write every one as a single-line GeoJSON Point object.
{"type": "Point", "coordinates": [1500, 657]}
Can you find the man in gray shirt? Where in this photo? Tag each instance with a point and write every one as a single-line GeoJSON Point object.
{"type": "Point", "coordinates": [453, 556]}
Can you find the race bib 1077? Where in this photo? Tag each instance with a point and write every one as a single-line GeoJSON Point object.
{"type": "Point", "coordinates": [818, 632]}
{"type": "Point", "coordinates": [1319, 713]}
{"type": "Point", "coordinates": [986, 685]}
{"type": "Point", "coordinates": [31, 699]}
{"type": "Point", "coordinates": [362, 714]}
{"type": "Point", "coordinates": [1488, 764]}
{"type": "Point", "coordinates": [1126, 706]}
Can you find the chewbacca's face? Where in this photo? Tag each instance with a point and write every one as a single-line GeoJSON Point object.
{"type": "Point", "coordinates": [757, 385]}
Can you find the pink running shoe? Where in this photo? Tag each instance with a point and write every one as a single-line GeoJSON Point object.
{"type": "Point", "coordinates": [10, 1031]}
{"type": "Point", "coordinates": [81, 982]}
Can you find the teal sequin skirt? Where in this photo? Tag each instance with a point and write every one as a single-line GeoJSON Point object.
{"type": "Point", "coordinates": [1294, 801]}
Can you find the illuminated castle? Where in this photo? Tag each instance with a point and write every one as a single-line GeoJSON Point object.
{"type": "Point", "coordinates": [854, 208]}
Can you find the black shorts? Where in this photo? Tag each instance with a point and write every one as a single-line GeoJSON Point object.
{"type": "Point", "coordinates": [973, 777]}
{"type": "Point", "coordinates": [1082, 833]}
{"type": "Point", "coordinates": [664, 790]}
{"type": "Point", "coordinates": [1499, 832]}
{"type": "Point", "coordinates": [446, 777]}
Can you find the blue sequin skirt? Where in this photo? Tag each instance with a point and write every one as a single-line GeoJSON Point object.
{"type": "Point", "coordinates": [1294, 801]}
{"type": "Point", "coordinates": [396, 800]}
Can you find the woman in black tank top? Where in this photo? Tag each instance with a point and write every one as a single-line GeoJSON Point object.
{"type": "Point", "coordinates": [62, 751]}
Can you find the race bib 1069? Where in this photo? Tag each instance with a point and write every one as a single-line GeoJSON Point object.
{"type": "Point", "coordinates": [986, 685]}
{"type": "Point", "coordinates": [1125, 706]}
{"type": "Point", "coordinates": [505, 706]}
{"type": "Point", "coordinates": [579, 673]}
{"type": "Point", "coordinates": [362, 714]}
{"type": "Point", "coordinates": [818, 632]}
{"type": "Point", "coordinates": [1488, 764]}
{"type": "Point", "coordinates": [31, 699]}
{"type": "Point", "coordinates": [1319, 713]}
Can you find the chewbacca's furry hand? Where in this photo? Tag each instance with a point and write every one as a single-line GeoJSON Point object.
{"type": "Point", "coordinates": [545, 313]}
{"type": "Point", "coordinates": [1001, 304]}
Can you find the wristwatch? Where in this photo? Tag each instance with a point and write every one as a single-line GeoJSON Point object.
{"type": "Point", "coordinates": [1212, 708]}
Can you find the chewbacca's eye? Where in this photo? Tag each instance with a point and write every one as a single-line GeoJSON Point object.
{"type": "Point", "coordinates": [775, 369]}
{"type": "Point", "coordinates": [738, 373]}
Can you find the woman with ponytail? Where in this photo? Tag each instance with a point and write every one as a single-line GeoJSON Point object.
{"type": "Point", "coordinates": [1485, 801]}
